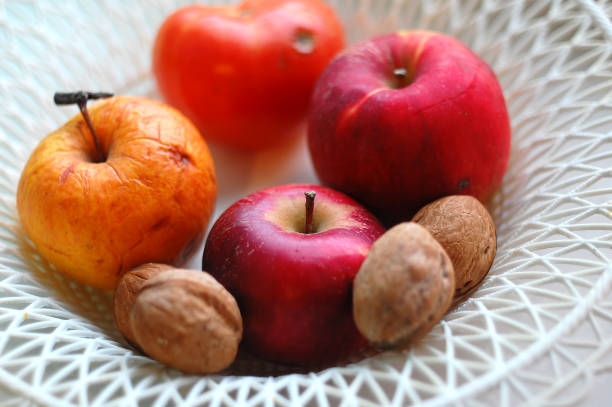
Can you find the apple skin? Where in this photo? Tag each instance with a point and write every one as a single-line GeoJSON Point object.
{"type": "Point", "coordinates": [397, 143]}
{"type": "Point", "coordinates": [149, 201]}
{"type": "Point", "coordinates": [294, 289]}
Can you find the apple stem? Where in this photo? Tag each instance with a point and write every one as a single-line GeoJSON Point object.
{"type": "Point", "coordinates": [80, 98]}
{"type": "Point", "coordinates": [400, 72]}
{"type": "Point", "coordinates": [310, 197]}
{"type": "Point", "coordinates": [401, 77]}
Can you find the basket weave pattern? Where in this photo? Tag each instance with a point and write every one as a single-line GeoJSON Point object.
{"type": "Point", "coordinates": [539, 329]}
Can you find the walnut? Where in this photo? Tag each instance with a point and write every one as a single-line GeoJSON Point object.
{"type": "Point", "coordinates": [463, 226]}
{"type": "Point", "coordinates": [186, 320]}
{"type": "Point", "coordinates": [403, 288]}
{"type": "Point", "coordinates": [125, 292]}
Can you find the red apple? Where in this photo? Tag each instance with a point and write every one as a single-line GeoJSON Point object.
{"type": "Point", "coordinates": [293, 288]}
{"type": "Point", "coordinates": [403, 119]}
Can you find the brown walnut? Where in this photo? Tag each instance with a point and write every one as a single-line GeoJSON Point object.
{"type": "Point", "coordinates": [125, 292]}
{"type": "Point", "coordinates": [403, 288]}
{"type": "Point", "coordinates": [187, 320]}
{"type": "Point", "coordinates": [464, 227]}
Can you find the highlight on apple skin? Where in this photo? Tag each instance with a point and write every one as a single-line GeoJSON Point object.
{"type": "Point", "coordinates": [403, 119]}
{"type": "Point", "coordinates": [148, 199]}
{"type": "Point", "coordinates": [293, 288]}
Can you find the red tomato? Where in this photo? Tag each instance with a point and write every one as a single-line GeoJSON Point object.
{"type": "Point", "coordinates": [244, 74]}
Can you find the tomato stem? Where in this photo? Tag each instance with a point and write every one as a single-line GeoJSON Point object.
{"type": "Point", "coordinates": [80, 98]}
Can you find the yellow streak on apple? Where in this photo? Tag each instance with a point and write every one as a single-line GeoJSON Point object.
{"type": "Point", "coordinates": [348, 113]}
{"type": "Point", "coordinates": [419, 50]}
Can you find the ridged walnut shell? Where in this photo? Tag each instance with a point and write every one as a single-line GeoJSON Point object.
{"type": "Point", "coordinates": [464, 227]}
{"type": "Point", "coordinates": [185, 319]}
{"type": "Point", "coordinates": [126, 290]}
{"type": "Point", "coordinates": [403, 288]}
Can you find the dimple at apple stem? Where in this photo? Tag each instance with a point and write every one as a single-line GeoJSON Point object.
{"type": "Point", "coordinates": [401, 76]}
{"type": "Point", "coordinates": [80, 98]}
{"type": "Point", "coordinates": [400, 72]}
{"type": "Point", "coordinates": [310, 197]}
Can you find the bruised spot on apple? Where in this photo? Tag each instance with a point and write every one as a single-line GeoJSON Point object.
{"type": "Point", "coordinates": [294, 289]}
{"type": "Point", "coordinates": [463, 183]}
{"type": "Point", "coordinates": [66, 173]}
{"type": "Point", "coordinates": [403, 119]}
{"type": "Point", "coordinates": [179, 156]}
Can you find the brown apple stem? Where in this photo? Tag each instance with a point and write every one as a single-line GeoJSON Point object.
{"type": "Point", "coordinates": [80, 99]}
{"type": "Point", "coordinates": [310, 197]}
{"type": "Point", "coordinates": [401, 77]}
{"type": "Point", "coordinates": [400, 72]}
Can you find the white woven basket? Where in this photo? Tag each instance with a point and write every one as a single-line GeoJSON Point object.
{"type": "Point", "coordinates": [538, 331]}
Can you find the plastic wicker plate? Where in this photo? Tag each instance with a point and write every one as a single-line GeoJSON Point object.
{"type": "Point", "coordinates": [537, 331]}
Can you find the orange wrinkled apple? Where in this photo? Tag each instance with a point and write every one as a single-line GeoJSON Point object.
{"type": "Point", "coordinates": [148, 200]}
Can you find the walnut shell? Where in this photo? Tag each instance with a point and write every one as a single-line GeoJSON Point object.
{"type": "Point", "coordinates": [188, 321]}
{"type": "Point", "coordinates": [463, 226]}
{"type": "Point", "coordinates": [125, 292]}
{"type": "Point", "coordinates": [403, 288]}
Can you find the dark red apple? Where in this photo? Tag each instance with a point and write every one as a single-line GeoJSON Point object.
{"type": "Point", "coordinates": [402, 119]}
{"type": "Point", "coordinates": [293, 287]}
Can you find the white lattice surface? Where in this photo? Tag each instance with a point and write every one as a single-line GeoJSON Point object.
{"type": "Point", "coordinates": [538, 331]}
